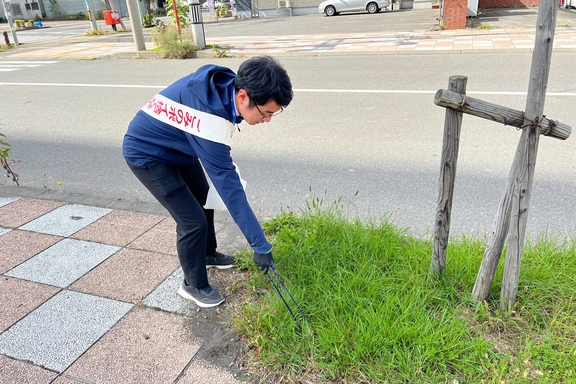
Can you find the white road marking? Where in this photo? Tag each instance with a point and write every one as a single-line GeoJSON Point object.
{"type": "Point", "coordinates": [319, 90]}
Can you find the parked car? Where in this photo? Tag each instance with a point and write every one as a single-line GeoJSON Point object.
{"type": "Point", "coordinates": [334, 7]}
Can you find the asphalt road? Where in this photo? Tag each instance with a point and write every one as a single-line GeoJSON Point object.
{"type": "Point", "coordinates": [363, 124]}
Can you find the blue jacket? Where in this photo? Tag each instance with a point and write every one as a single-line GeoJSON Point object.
{"type": "Point", "coordinates": [209, 89]}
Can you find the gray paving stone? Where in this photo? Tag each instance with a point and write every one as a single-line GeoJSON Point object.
{"type": "Point", "coordinates": [165, 296]}
{"type": "Point", "coordinates": [4, 230]}
{"type": "Point", "coordinates": [7, 200]}
{"type": "Point", "coordinates": [62, 329]}
{"type": "Point", "coordinates": [64, 262]}
{"type": "Point", "coordinates": [66, 220]}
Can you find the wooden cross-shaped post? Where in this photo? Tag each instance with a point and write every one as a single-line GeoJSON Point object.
{"type": "Point", "coordinates": [512, 216]}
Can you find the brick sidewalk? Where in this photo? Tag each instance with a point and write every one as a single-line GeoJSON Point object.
{"type": "Point", "coordinates": [88, 294]}
{"type": "Point", "coordinates": [423, 42]}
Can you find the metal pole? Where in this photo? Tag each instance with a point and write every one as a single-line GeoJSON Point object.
{"type": "Point", "coordinates": [197, 24]}
{"type": "Point", "coordinates": [136, 25]}
{"type": "Point", "coordinates": [7, 12]}
{"type": "Point", "coordinates": [91, 16]}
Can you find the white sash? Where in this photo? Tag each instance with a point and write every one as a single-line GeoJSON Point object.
{"type": "Point", "coordinates": [195, 122]}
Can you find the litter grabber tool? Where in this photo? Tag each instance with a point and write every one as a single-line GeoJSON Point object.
{"type": "Point", "coordinates": [280, 287]}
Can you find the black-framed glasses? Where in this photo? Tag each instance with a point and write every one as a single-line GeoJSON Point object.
{"type": "Point", "coordinates": [264, 117]}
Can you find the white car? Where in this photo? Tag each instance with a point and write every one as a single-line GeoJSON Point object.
{"type": "Point", "coordinates": [334, 7]}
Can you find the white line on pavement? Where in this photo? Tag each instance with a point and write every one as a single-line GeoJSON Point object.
{"type": "Point", "coordinates": [28, 62]}
{"type": "Point", "coordinates": [383, 91]}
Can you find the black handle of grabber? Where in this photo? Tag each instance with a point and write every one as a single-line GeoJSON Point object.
{"type": "Point", "coordinates": [282, 296]}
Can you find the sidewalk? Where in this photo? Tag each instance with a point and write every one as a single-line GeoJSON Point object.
{"type": "Point", "coordinates": [469, 40]}
{"type": "Point", "coordinates": [88, 295]}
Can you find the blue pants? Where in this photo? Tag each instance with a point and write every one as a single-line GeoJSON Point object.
{"type": "Point", "coordinates": [183, 191]}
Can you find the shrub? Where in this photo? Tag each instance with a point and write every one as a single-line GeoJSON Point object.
{"type": "Point", "coordinates": [30, 24]}
{"type": "Point", "coordinates": [37, 18]}
{"type": "Point", "coordinates": [99, 15]}
{"type": "Point", "coordinates": [149, 19]}
{"type": "Point", "coordinates": [19, 24]}
{"type": "Point", "coordinates": [79, 16]}
{"type": "Point", "coordinates": [173, 45]}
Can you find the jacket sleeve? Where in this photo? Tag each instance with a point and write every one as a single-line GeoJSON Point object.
{"type": "Point", "coordinates": [217, 162]}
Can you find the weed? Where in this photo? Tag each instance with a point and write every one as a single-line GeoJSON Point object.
{"type": "Point", "coordinates": [484, 26]}
{"type": "Point", "coordinates": [96, 32]}
{"type": "Point", "coordinates": [219, 53]}
{"type": "Point", "coordinates": [5, 160]}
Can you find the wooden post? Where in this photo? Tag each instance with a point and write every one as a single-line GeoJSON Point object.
{"type": "Point", "coordinates": [448, 162]}
{"type": "Point", "coordinates": [523, 171]}
{"type": "Point", "coordinates": [512, 213]}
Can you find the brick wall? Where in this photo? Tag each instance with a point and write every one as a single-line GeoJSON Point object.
{"type": "Point", "coordinates": [455, 14]}
{"type": "Point", "coordinates": [483, 4]}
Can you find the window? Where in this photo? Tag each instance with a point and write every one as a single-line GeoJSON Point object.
{"type": "Point", "coordinates": [28, 8]}
{"type": "Point", "coordinates": [16, 10]}
{"type": "Point", "coordinates": [35, 7]}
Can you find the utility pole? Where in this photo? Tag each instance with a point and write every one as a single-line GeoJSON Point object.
{"type": "Point", "coordinates": [8, 13]}
{"type": "Point", "coordinates": [136, 25]}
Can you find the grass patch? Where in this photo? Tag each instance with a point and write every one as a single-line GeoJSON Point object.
{"type": "Point", "coordinates": [376, 315]}
{"type": "Point", "coordinates": [484, 26]}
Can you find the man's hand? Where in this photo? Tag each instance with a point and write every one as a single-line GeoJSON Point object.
{"type": "Point", "coordinates": [264, 261]}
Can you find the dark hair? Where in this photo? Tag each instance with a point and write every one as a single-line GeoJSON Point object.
{"type": "Point", "coordinates": [264, 79]}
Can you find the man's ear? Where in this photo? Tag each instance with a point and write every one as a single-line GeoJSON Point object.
{"type": "Point", "coordinates": [242, 96]}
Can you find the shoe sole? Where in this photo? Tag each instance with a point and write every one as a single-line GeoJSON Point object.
{"type": "Point", "coordinates": [187, 296]}
{"type": "Point", "coordinates": [219, 266]}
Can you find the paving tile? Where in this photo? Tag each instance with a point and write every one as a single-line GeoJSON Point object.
{"type": "Point", "coordinates": [19, 297]}
{"type": "Point", "coordinates": [18, 246]}
{"type": "Point", "coordinates": [64, 262]}
{"type": "Point", "coordinates": [18, 372]}
{"type": "Point", "coordinates": [165, 296]}
{"type": "Point", "coordinates": [160, 238]}
{"type": "Point", "coordinates": [118, 227]}
{"type": "Point", "coordinates": [146, 346]}
{"type": "Point", "coordinates": [66, 220]}
{"type": "Point", "coordinates": [62, 329]}
{"type": "Point", "coordinates": [7, 200]}
{"type": "Point", "coordinates": [130, 275]}
{"type": "Point", "coordinates": [203, 372]}
{"type": "Point", "coordinates": [24, 210]}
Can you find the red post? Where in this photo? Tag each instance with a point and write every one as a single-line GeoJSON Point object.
{"type": "Point", "coordinates": [176, 14]}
